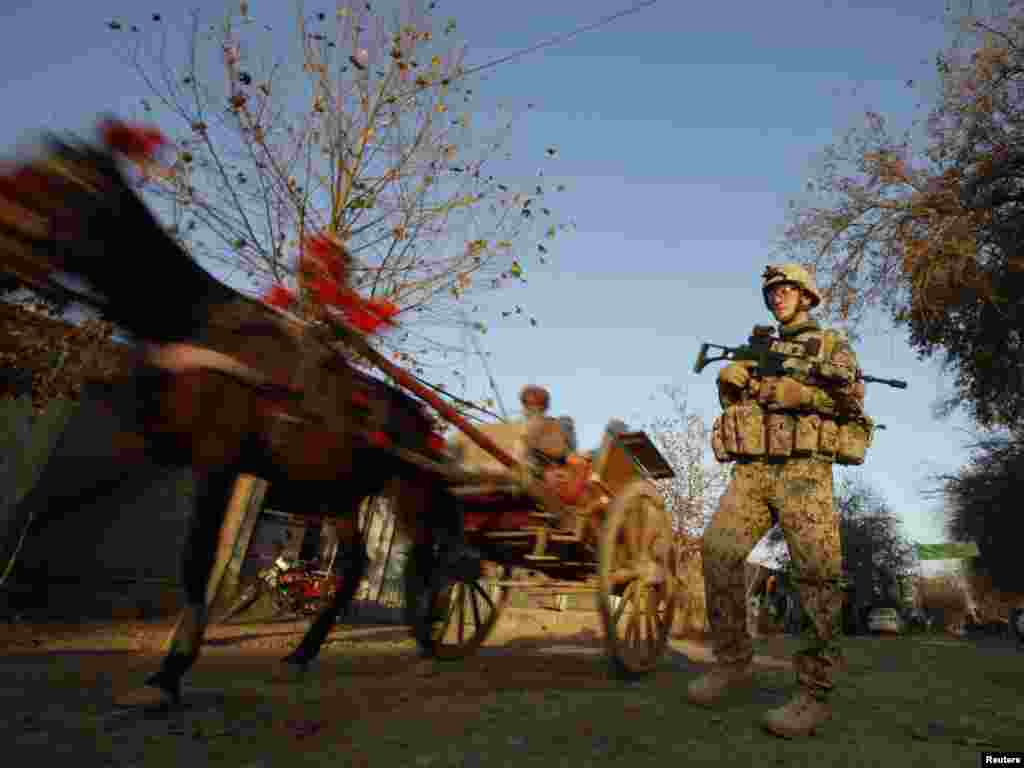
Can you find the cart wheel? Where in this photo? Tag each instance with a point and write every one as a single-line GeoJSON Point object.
{"type": "Point", "coordinates": [458, 614]}
{"type": "Point", "coordinates": [636, 564]}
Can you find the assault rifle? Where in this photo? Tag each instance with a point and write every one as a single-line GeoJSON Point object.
{"type": "Point", "coordinates": [771, 363]}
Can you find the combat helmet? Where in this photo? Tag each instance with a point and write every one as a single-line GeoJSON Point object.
{"type": "Point", "coordinates": [789, 273]}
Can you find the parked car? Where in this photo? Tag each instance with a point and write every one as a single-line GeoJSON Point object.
{"type": "Point", "coordinates": [915, 620]}
{"type": "Point", "coordinates": [885, 621]}
{"type": "Point", "coordinates": [1017, 624]}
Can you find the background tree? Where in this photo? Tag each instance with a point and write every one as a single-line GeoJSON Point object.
{"type": "Point", "coordinates": [691, 498]}
{"type": "Point", "coordinates": [936, 237]}
{"type": "Point", "coordinates": [367, 129]}
{"type": "Point", "coordinates": [683, 438]}
{"type": "Point", "coordinates": [933, 235]}
{"type": "Point", "coordinates": [982, 504]}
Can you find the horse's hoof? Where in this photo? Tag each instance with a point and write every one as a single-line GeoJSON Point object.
{"type": "Point", "coordinates": [289, 672]}
{"type": "Point", "coordinates": [148, 697]}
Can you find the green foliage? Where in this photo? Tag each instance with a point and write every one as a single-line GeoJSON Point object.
{"type": "Point", "coordinates": [947, 551]}
{"type": "Point", "coordinates": [983, 504]}
{"type": "Point", "coordinates": [982, 345]}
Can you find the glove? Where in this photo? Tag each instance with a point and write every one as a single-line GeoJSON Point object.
{"type": "Point", "coordinates": [736, 374]}
{"type": "Point", "coordinates": [785, 394]}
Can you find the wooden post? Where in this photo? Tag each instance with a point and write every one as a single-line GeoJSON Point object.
{"type": "Point", "coordinates": [250, 518]}
{"type": "Point", "coordinates": [387, 557]}
{"type": "Point", "coordinates": [368, 512]}
{"type": "Point", "coordinates": [235, 533]}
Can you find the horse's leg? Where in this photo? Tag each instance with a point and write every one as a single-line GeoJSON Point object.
{"type": "Point", "coordinates": [355, 568]}
{"type": "Point", "coordinates": [416, 509]}
{"type": "Point", "coordinates": [213, 492]}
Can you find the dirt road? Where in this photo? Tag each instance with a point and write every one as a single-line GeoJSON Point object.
{"type": "Point", "coordinates": [538, 694]}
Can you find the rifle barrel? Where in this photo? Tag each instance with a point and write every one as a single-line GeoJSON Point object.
{"type": "Point", "coordinates": [898, 383]}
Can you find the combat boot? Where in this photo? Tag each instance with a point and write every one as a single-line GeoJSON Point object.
{"type": "Point", "coordinates": [712, 685]}
{"type": "Point", "coordinates": [798, 717]}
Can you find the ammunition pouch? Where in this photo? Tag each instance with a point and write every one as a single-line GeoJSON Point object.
{"type": "Point", "coordinates": [718, 442]}
{"type": "Point", "coordinates": [746, 431]}
{"type": "Point", "coordinates": [806, 434]}
{"type": "Point", "coordinates": [855, 438]}
{"type": "Point", "coordinates": [780, 433]}
{"type": "Point", "coordinates": [739, 432]}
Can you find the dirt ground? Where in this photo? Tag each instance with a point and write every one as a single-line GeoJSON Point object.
{"type": "Point", "coordinates": [538, 693]}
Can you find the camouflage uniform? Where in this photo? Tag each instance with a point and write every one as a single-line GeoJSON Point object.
{"type": "Point", "coordinates": [796, 492]}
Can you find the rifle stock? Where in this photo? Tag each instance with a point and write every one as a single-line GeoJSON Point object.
{"type": "Point", "coordinates": [701, 359]}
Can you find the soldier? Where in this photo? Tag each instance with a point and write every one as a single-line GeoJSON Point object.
{"type": "Point", "coordinates": [783, 437]}
{"type": "Point", "coordinates": [546, 438]}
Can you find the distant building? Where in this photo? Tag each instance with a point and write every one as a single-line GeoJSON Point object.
{"type": "Point", "coordinates": [120, 550]}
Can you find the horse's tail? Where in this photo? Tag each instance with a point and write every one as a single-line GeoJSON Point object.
{"type": "Point", "coordinates": [72, 211]}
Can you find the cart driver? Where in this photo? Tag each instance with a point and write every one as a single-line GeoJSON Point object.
{"type": "Point", "coordinates": [550, 444]}
{"type": "Point", "coordinates": [546, 440]}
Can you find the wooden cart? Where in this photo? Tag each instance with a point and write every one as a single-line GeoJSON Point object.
{"type": "Point", "coordinates": [614, 540]}
{"type": "Point", "coordinates": [616, 543]}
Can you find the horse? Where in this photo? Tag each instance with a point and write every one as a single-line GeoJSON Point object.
{"type": "Point", "coordinates": [221, 383]}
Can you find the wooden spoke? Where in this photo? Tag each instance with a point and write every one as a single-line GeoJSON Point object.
{"type": "Point", "coordinates": [483, 593]}
{"type": "Point", "coordinates": [651, 532]}
{"type": "Point", "coordinates": [473, 592]}
{"type": "Point", "coordinates": [640, 526]}
{"type": "Point", "coordinates": [652, 626]}
{"type": "Point", "coordinates": [446, 599]}
{"type": "Point", "coordinates": [636, 621]}
{"type": "Point", "coordinates": [624, 603]}
{"type": "Point", "coordinates": [462, 612]}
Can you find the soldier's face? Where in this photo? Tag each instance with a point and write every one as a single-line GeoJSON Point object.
{"type": "Point", "coordinates": [784, 301]}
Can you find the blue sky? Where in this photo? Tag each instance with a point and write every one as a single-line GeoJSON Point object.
{"type": "Point", "coordinates": [682, 133]}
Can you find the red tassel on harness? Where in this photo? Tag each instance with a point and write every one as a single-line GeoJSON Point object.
{"type": "Point", "coordinates": [279, 296]}
{"type": "Point", "coordinates": [372, 315]}
{"type": "Point", "coordinates": [134, 141]}
{"type": "Point", "coordinates": [324, 264]}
